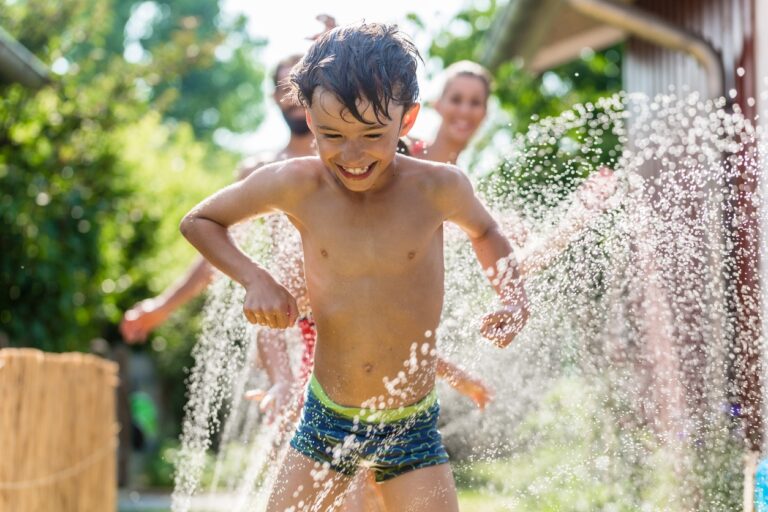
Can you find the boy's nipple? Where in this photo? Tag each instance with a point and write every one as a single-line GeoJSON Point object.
{"type": "Point", "coordinates": [368, 367]}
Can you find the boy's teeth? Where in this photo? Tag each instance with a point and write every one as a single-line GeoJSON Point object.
{"type": "Point", "coordinates": [356, 170]}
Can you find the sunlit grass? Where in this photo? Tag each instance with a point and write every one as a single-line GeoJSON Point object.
{"type": "Point", "coordinates": [553, 470]}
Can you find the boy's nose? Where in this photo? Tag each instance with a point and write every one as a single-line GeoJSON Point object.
{"type": "Point", "coordinates": [352, 154]}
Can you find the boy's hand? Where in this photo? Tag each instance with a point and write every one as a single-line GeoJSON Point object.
{"type": "Point", "coordinates": [269, 303]}
{"type": "Point", "coordinates": [475, 390]}
{"type": "Point", "coordinates": [139, 321]}
{"type": "Point", "coordinates": [596, 192]}
{"type": "Point", "coordinates": [273, 401]}
{"type": "Point", "coordinates": [504, 325]}
{"type": "Point", "coordinates": [329, 23]}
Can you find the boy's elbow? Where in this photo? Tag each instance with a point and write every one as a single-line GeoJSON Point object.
{"type": "Point", "coordinates": [187, 225]}
{"type": "Point", "coordinates": [194, 226]}
{"type": "Point", "coordinates": [489, 231]}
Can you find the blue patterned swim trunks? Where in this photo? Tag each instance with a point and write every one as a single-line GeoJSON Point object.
{"type": "Point", "coordinates": [390, 442]}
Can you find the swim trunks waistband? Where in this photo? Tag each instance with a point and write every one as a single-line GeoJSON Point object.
{"type": "Point", "coordinates": [372, 415]}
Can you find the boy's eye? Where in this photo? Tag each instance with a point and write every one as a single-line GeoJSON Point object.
{"type": "Point", "coordinates": [331, 136]}
{"type": "Point", "coordinates": [373, 136]}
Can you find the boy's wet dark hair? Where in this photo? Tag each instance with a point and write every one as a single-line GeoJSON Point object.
{"type": "Point", "coordinates": [370, 61]}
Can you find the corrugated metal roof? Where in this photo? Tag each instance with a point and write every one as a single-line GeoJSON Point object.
{"type": "Point", "coordinates": [544, 34]}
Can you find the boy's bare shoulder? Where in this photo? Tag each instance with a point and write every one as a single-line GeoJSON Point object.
{"type": "Point", "coordinates": [294, 178]}
{"type": "Point", "coordinates": [252, 163]}
{"type": "Point", "coordinates": [302, 172]}
{"type": "Point", "coordinates": [434, 178]}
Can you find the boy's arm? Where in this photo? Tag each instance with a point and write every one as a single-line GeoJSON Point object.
{"type": "Point", "coordinates": [271, 188]}
{"type": "Point", "coordinates": [144, 316]}
{"type": "Point", "coordinates": [273, 355]}
{"type": "Point", "coordinates": [595, 195]}
{"type": "Point", "coordinates": [494, 253]}
{"type": "Point", "coordinates": [460, 380]}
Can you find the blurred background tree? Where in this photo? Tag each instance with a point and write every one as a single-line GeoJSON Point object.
{"type": "Point", "coordinates": [97, 169]}
{"type": "Point", "coordinates": [200, 67]}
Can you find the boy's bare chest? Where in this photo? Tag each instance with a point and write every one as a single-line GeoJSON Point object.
{"type": "Point", "coordinates": [370, 238]}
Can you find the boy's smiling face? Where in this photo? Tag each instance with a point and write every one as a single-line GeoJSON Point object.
{"type": "Point", "coordinates": [359, 154]}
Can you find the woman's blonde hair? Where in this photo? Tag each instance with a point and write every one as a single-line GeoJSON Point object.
{"type": "Point", "coordinates": [468, 68]}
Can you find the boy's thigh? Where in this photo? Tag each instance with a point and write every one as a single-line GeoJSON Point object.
{"type": "Point", "coordinates": [421, 490]}
{"type": "Point", "coordinates": [363, 494]}
{"type": "Point", "coordinates": [303, 485]}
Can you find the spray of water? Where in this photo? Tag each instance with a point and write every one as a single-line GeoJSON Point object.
{"type": "Point", "coordinates": [625, 389]}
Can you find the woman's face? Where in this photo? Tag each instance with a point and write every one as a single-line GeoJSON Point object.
{"type": "Point", "coordinates": [462, 106]}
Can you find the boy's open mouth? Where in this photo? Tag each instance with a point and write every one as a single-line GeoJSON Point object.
{"type": "Point", "coordinates": [356, 173]}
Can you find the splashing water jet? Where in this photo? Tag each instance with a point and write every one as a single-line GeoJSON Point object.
{"type": "Point", "coordinates": [624, 389]}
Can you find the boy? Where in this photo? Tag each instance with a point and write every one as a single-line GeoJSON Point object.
{"type": "Point", "coordinates": [371, 227]}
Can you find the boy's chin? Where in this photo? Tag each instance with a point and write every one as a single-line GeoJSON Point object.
{"type": "Point", "coordinates": [358, 185]}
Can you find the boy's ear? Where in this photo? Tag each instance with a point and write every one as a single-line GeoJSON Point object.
{"type": "Point", "coordinates": [308, 117]}
{"type": "Point", "coordinates": [409, 118]}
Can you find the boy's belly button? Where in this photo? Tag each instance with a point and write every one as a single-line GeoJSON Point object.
{"type": "Point", "coordinates": [368, 367]}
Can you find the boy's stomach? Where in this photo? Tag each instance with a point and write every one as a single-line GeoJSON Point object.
{"type": "Point", "coordinates": [377, 345]}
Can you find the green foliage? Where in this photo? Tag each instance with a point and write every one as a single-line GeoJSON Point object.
{"type": "Point", "coordinates": [219, 92]}
{"type": "Point", "coordinates": [172, 345]}
{"type": "Point", "coordinates": [225, 466]}
{"type": "Point", "coordinates": [186, 59]}
{"type": "Point", "coordinates": [54, 29]}
{"type": "Point", "coordinates": [170, 172]}
{"type": "Point", "coordinates": [160, 469]}
{"type": "Point", "coordinates": [97, 169]}
{"type": "Point", "coordinates": [200, 68]}
{"type": "Point", "coordinates": [64, 198]}
{"type": "Point", "coordinates": [573, 454]}
{"type": "Point", "coordinates": [466, 36]}
{"type": "Point", "coordinates": [92, 184]}
{"type": "Point", "coordinates": [556, 153]}
{"type": "Point", "coordinates": [557, 467]}
{"type": "Point", "coordinates": [527, 97]}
